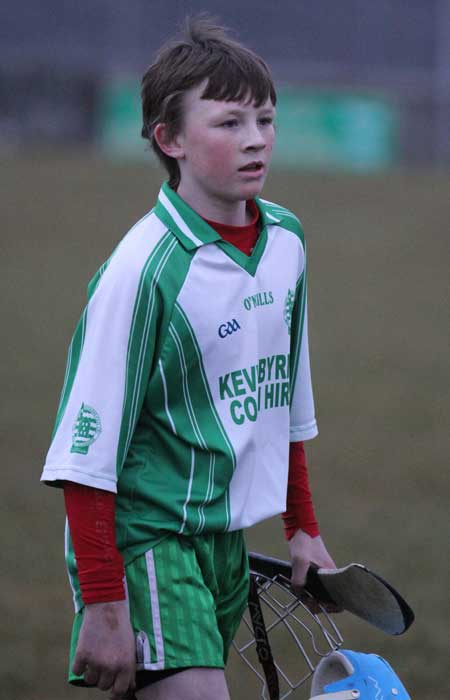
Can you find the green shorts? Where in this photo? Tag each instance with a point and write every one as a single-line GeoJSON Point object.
{"type": "Point", "coordinates": [186, 598]}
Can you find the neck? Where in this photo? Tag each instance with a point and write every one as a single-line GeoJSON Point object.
{"type": "Point", "coordinates": [215, 209]}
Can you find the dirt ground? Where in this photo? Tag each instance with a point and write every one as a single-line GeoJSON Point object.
{"type": "Point", "coordinates": [378, 292]}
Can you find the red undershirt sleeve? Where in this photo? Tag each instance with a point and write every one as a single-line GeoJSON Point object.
{"type": "Point", "coordinates": [90, 513]}
{"type": "Point", "coordinates": [299, 507]}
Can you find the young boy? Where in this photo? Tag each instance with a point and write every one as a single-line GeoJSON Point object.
{"type": "Point", "coordinates": [187, 395]}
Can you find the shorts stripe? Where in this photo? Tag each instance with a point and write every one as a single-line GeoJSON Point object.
{"type": "Point", "coordinates": [157, 631]}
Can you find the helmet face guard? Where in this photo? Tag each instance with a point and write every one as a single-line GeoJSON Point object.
{"type": "Point", "coordinates": [275, 623]}
{"type": "Point", "coordinates": [349, 675]}
{"type": "Point", "coordinates": [285, 644]}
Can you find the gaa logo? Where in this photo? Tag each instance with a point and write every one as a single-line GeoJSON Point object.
{"type": "Point", "coordinates": [228, 328]}
{"type": "Point", "coordinates": [86, 429]}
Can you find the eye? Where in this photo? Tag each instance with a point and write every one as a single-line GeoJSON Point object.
{"type": "Point", "coordinates": [229, 123]}
{"type": "Point", "coordinates": [266, 121]}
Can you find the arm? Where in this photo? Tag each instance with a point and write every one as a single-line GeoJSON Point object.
{"type": "Point", "coordinates": [305, 544]}
{"type": "Point", "coordinates": [105, 653]}
{"type": "Point", "coordinates": [301, 528]}
{"type": "Point", "coordinates": [108, 367]}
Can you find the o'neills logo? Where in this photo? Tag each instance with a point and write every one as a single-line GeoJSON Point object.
{"type": "Point", "coordinates": [258, 299]}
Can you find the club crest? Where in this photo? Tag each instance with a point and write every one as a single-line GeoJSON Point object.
{"type": "Point", "coordinates": [288, 306]}
{"type": "Point", "coordinates": [86, 429]}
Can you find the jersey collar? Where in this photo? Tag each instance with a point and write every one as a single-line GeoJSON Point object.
{"type": "Point", "coordinates": [189, 227]}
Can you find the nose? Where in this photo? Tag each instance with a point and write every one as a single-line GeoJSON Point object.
{"type": "Point", "coordinates": [254, 140]}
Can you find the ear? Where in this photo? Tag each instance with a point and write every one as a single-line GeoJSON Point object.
{"type": "Point", "coordinates": [170, 145]}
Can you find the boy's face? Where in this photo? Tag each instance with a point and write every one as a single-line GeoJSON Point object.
{"type": "Point", "coordinates": [224, 149]}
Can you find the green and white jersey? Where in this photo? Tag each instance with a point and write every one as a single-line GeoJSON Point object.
{"type": "Point", "coordinates": [187, 376]}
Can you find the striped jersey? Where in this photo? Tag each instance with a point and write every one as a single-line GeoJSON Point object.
{"type": "Point", "coordinates": [187, 376]}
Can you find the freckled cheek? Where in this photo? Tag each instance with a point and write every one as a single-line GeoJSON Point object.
{"type": "Point", "coordinates": [222, 159]}
{"type": "Point", "coordinates": [215, 157]}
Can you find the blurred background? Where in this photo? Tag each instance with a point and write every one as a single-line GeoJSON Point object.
{"type": "Point", "coordinates": [363, 157]}
{"type": "Point", "coordinates": [362, 85]}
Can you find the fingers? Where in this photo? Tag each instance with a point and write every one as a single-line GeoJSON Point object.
{"type": "Point", "coordinates": [298, 580]}
{"type": "Point", "coordinates": [128, 695]}
{"type": "Point", "coordinates": [308, 601]}
{"type": "Point", "coordinates": [123, 687]}
{"type": "Point", "coordinates": [318, 606]}
{"type": "Point", "coordinates": [299, 570]}
{"type": "Point", "coordinates": [90, 675]}
{"type": "Point", "coordinates": [121, 682]}
{"type": "Point", "coordinates": [79, 664]}
{"type": "Point", "coordinates": [81, 667]}
{"type": "Point", "coordinates": [105, 680]}
{"type": "Point", "coordinates": [313, 604]}
{"type": "Point", "coordinates": [306, 551]}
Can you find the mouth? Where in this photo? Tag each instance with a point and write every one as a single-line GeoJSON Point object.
{"type": "Point", "coordinates": [254, 167]}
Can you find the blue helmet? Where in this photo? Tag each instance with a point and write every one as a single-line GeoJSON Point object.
{"type": "Point", "coordinates": [348, 675]}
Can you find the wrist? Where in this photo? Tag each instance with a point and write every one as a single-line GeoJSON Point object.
{"type": "Point", "coordinates": [292, 526]}
{"type": "Point", "coordinates": [110, 608]}
{"type": "Point", "coordinates": [302, 533]}
{"type": "Point", "coordinates": [107, 605]}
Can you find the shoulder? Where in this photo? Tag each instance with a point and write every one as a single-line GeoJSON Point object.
{"type": "Point", "coordinates": [141, 254]}
{"type": "Point", "coordinates": [278, 215]}
{"type": "Point", "coordinates": [143, 245]}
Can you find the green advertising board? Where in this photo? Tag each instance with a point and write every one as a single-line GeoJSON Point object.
{"type": "Point", "coordinates": [332, 130]}
{"type": "Point", "coordinates": [120, 120]}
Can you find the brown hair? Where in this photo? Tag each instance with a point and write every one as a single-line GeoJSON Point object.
{"type": "Point", "coordinates": [204, 53]}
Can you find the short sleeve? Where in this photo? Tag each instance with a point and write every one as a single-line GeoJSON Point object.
{"type": "Point", "coordinates": [303, 425]}
{"type": "Point", "coordinates": [107, 372]}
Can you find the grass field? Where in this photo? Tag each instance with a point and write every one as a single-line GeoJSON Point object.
{"type": "Point", "coordinates": [378, 292]}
